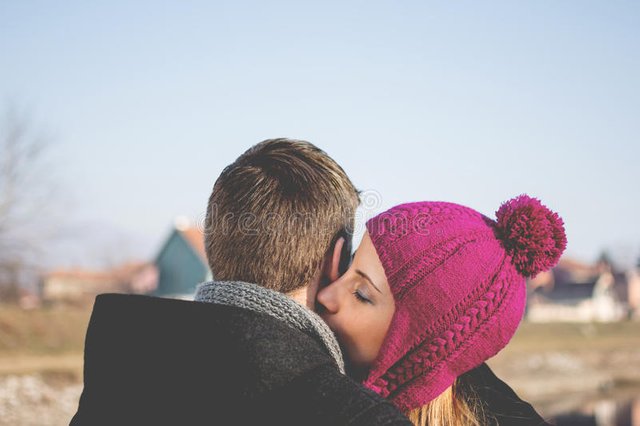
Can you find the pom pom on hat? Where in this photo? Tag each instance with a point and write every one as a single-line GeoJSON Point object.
{"type": "Point", "coordinates": [532, 234]}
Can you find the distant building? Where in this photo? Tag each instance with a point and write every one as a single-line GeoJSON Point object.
{"type": "Point", "coordinates": [633, 278]}
{"type": "Point", "coordinates": [181, 262]}
{"type": "Point", "coordinates": [81, 286]}
{"type": "Point", "coordinates": [577, 292]}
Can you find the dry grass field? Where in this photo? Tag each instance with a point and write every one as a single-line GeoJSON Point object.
{"type": "Point", "coordinates": [40, 364]}
{"type": "Point", "coordinates": [49, 331]}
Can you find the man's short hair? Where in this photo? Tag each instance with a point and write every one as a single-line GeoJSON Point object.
{"type": "Point", "coordinates": [275, 212]}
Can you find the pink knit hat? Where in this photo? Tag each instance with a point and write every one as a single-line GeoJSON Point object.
{"type": "Point", "coordinates": [458, 280]}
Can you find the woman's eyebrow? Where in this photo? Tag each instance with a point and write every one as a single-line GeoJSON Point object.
{"type": "Point", "coordinates": [366, 277]}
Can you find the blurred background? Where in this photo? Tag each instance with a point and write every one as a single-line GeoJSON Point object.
{"type": "Point", "coordinates": [117, 117]}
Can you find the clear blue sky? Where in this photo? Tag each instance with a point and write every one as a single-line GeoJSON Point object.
{"type": "Point", "coordinates": [464, 101]}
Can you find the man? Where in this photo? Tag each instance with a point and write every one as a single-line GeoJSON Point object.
{"type": "Point", "coordinates": [278, 225]}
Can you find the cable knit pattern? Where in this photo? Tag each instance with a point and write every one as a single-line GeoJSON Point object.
{"type": "Point", "coordinates": [270, 302]}
{"type": "Point", "coordinates": [438, 327]}
{"type": "Point", "coordinates": [458, 281]}
{"type": "Point", "coordinates": [427, 261]}
{"type": "Point", "coordinates": [437, 349]}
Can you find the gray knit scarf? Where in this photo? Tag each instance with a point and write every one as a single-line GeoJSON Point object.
{"type": "Point", "coordinates": [270, 302]}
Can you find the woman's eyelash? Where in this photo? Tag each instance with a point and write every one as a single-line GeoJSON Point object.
{"type": "Point", "coordinates": [360, 297]}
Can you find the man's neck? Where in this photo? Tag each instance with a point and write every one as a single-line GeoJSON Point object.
{"type": "Point", "coordinates": [301, 296]}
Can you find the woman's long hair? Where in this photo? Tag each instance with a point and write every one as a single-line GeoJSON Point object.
{"type": "Point", "coordinates": [458, 405]}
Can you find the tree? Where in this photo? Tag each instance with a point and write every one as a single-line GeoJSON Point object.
{"type": "Point", "coordinates": [25, 195]}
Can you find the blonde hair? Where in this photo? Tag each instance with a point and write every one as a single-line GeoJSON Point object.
{"type": "Point", "coordinates": [458, 405]}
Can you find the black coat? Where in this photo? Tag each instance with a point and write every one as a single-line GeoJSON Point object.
{"type": "Point", "coordinates": [500, 403]}
{"type": "Point", "coordinates": [152, 361]}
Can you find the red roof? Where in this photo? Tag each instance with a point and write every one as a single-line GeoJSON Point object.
{"type": "Point", "coordinates": [575, 265]}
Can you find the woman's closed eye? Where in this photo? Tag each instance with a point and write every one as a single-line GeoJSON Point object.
{"type": "Point", "coordinates": [362, 297]}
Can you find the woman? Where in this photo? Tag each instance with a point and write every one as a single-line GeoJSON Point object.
{"type": "Point", "coordinates": [434, 290]}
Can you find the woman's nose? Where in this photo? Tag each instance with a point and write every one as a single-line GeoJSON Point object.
{"type": "Point", "coordinates": [329, 298]}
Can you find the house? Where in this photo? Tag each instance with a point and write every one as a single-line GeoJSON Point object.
{"type": "Point", "coordinates": [81, 286]}
{"type": "Point", "coordinates": [633, 278]}
{"type": "Point", "coordinates": [578, 292]}
{"type": "Point", "coordinates": [178, 268]}
{"type": "Point", "coordinates": [181, 262]}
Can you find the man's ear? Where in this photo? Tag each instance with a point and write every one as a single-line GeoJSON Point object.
{"type": "Point", "coordinates": [333, 261]}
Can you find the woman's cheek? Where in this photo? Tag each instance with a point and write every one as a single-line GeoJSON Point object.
{"type": "Point", "coordinates": [363, 341]}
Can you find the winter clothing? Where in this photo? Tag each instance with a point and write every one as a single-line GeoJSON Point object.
{"type": "Point", "coordinates": [153, 361]}
{"type": "Point", "coordinates": [500, 403]}
{"type": "Point", "coordinates": [279, 306]}
{"type": "Point", "coordinates": [458, 280]}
